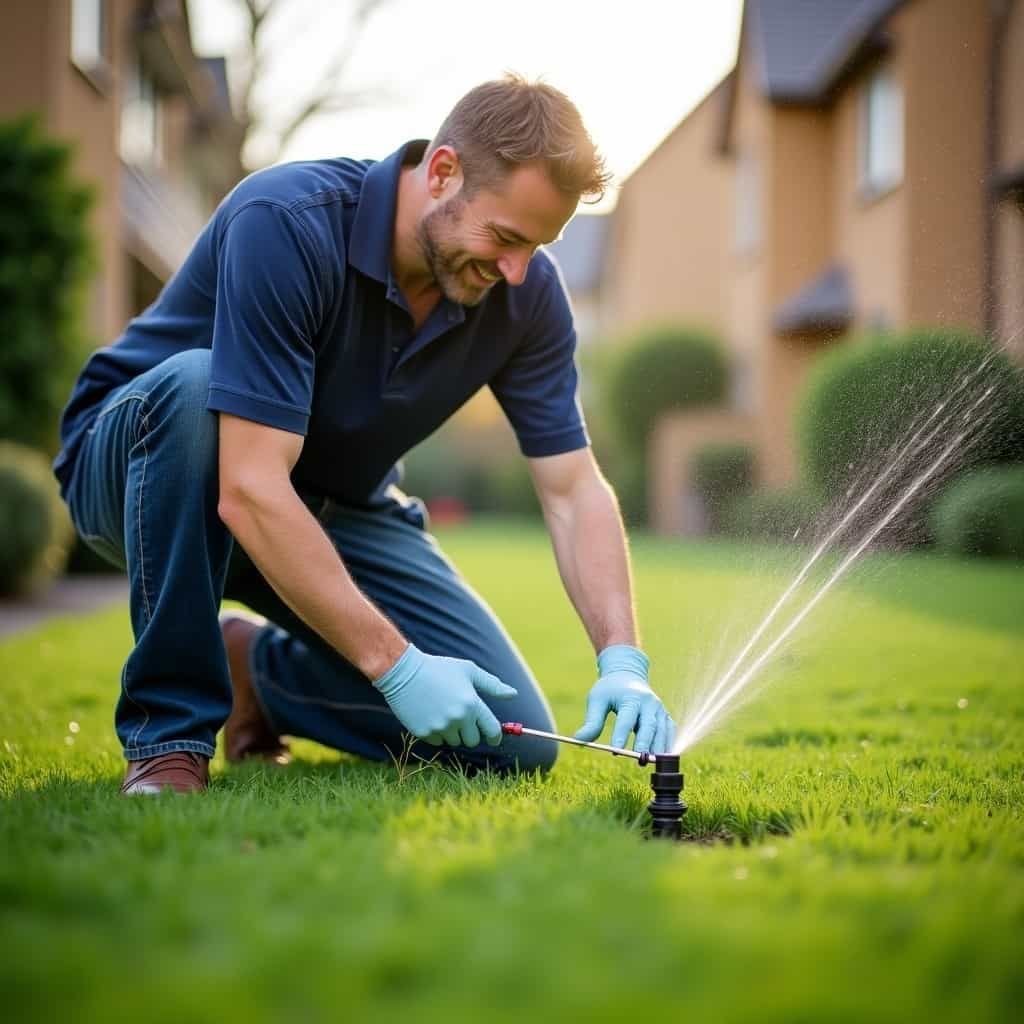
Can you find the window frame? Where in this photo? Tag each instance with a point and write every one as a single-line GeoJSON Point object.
{"type": "Point", "coordinates": [90, 56]}
{"type": "Point", "coordinates": [881, 133]}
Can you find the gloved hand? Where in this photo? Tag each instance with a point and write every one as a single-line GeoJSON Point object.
{"type": "Point", "coordinates": [622, 688]}
{"type": "Point", "coordinates": [436, 698]}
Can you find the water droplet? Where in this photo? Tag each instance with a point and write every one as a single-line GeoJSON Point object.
{"type": "Point", "coordinates": [962, 703]}
{"type": "Point", "coordinates": [73, 727]}
{"type": "Point", "coordinates": [740, 874]}
{"type": "Point", "coordinates": [769, 852]}
{"type": "Point", "coordinates": [69, 740]}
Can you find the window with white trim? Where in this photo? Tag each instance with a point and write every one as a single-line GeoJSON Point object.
{"type": "Point", "coordinates": [141, 141]}
{"type": "Point", "coordinates": [89, 33]}
{"type": "Point", "coordinates": [881, 132]}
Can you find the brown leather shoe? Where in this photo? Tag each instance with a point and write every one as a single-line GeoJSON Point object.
{"type": "Point", "coordinates": [247, 733]}
{"type": "Point", "coordinates": [182, 771]}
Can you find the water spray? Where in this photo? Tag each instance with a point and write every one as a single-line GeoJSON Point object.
{"type": "Point", "coordinates": [667, 807]}
{"type": "Point", "coordinates": [727, 689]}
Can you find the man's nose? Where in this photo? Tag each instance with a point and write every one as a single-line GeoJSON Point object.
{"type": "Point", "coordinates": [513, 267]}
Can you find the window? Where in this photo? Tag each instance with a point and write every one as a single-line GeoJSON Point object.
{"type": "Point", "coordinates": [88, 34]}
{"type": "Point", "coordinates": [748, 203]}
{"type": "Point", "coordinates": [881, 134]}
{"type": "Point", "coordinates": [141, 121]}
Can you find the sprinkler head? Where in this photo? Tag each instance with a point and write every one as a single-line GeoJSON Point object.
{"type": "Point", "coordinates": [667, 808]}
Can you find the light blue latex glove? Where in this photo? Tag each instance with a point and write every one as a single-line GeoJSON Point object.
{"type": "Point", "coordinates": [437, 700]}
{"type": "Point", "coordinates": [622, 688]}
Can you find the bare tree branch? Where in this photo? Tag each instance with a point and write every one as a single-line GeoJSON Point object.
{"type": "Point", "coordinates": [328, 96]}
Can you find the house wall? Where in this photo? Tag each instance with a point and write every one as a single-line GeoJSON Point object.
{"type": "Point", "coordinates": [1012, 98]}
{"type": "Point", "coordinates": [870, 230]}
{"type": "Point", "coordinates": [1010, 214]}
{"type": "Point", "coordinates": [945, 165]}
{"type": "Point", "coordinates": [24, 58]}
{"type": "Point", "coordinates": [746, 268]}
{"type": "Point", "coordinates": [37, 73]}
{"type": "Point", "coordinates": [801, 246]}
{"type": "Point", "coordinates": [667, 250]}
{"type": "Point", "coordinates": [89, 114]}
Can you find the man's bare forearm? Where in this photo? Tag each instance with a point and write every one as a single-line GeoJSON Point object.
{"type": "Point", "coordinates": [298, 560]}
{"type": "Point", "coordinates": [593, 560]}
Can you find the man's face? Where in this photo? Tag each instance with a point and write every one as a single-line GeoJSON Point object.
{"type": "Point", "coordinates": [472, 244]}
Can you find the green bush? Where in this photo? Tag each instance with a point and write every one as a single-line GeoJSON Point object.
{"type": "Point", "coordinates": [982, 513]}
{"type": "Point", "coordinates": [667, 368]}
{"type": "Point", "coordinates": [35, 531]}
{"type": "Point", "coordinates": [783, 514]}
{"type": "Point", "coordinates": [866, 397]}
{"type": "Point", "coordinates": [720, 472]}
{"type": "Point", "coordinates": [44, 264]}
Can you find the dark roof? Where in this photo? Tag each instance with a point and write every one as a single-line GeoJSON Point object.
{"type": "Point", "coordinates": [218, 69]}
{"type": "Point", "coordinates": [826, 303]}
{"type": "Point", "coordinates": [581, 250]}
{"type": "Point", "coordinates": [803, 47]}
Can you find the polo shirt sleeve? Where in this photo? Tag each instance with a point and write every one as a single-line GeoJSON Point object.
{"type": "Point", "coordinates": [538, 387]}
{"type": "Point", "coordinates": [268, 308]}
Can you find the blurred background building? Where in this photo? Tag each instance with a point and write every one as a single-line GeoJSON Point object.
{"type": "Point", "coordinates": [862, 166]}
{"type": "Point", "coordinates": [151, 126]}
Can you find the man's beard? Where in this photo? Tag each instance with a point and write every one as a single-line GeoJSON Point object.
{"type": "Point", "coordinates": [447, 262]}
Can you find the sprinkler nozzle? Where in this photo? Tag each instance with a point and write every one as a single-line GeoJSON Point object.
{"type": "Point", "coordinates": [667, 807]}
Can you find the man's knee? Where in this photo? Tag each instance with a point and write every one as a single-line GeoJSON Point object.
{"type": "Point", "coordinates": [178, 401]}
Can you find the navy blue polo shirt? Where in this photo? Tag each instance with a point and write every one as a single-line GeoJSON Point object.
{"type": "Point", "coordinates": [290, 287]}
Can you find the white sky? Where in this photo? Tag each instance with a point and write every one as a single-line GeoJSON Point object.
{"type": "Point", "coordinates": [634, 69]}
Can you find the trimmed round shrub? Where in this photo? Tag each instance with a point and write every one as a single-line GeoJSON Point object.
{"type": "Point", "coordinates": [865, 398]}
{"type": "Point", "coordinates": [721, 471]}
{"type": "Point", "coordinates": [982, 513]}
{"type": "Point", "coordinates": [775, 514]}
{"type": "Point", "coordinates": [45, 261]}
{"type": "Point", "coordinates": [35, 531]}
{"type": "Point", "coordinates": [667, 368]}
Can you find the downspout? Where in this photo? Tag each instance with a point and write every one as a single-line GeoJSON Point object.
{"type": "Point", "coordinates": [1000, 19]}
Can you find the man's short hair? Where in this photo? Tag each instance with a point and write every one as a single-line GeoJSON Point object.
{"type": "Point", "coordinates": [504, 124]}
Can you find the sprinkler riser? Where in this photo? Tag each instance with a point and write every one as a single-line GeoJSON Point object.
{"type": "Point", "coordinates": [667, 808]}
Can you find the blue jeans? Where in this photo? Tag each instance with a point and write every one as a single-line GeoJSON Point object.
{"type": "Point", "coordinates": [143, 493]}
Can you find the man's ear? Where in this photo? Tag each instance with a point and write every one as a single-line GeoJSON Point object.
{"type": "Point", "coordinates": [444, 172]}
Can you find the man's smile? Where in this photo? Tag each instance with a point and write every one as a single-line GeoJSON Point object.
{"type": "Point", "coordinates": [484, 274]}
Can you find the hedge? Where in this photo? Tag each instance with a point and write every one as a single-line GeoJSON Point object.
{"type": "Point", "coordinates": [721, 471]}
{"type": "Point", "coordinates": [982, 513]}
{"type": "Point", "coordinates": [866, 397]}
{"type": "Point", "coordinates": [45, 258]}
{"type": "Point", "coordinates": [35, 531]}
{"type": "Point", "coordinates": [664, 369]}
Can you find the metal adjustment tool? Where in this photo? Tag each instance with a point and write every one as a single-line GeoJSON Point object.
{"type": "Point", "coordinates": [667, 807]}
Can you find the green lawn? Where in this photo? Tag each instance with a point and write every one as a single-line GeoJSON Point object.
{"type": "Point", "coordinates": [860, 827]}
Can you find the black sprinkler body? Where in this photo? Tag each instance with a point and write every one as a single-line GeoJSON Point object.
{"type": "Point", "coordinates": [667, 807]}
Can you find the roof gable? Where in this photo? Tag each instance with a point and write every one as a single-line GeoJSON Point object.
{"type": "Point", "coordinates": [804, 46]}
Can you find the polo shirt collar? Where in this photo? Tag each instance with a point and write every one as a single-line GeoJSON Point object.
{"type": "Point", "coordinates": [369, 248]}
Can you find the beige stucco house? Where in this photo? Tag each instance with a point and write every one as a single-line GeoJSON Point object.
{"type": "Point", "coordinates": [151, 126]}
{"type": "Point", "coordinates": [861, 166]}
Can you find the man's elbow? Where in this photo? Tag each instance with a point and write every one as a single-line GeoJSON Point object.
{"type": "Point", "coordinates": [243, 495]}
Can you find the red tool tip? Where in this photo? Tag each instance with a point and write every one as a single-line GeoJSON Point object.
{"type": "Point", "coordinates": [512, 728]}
